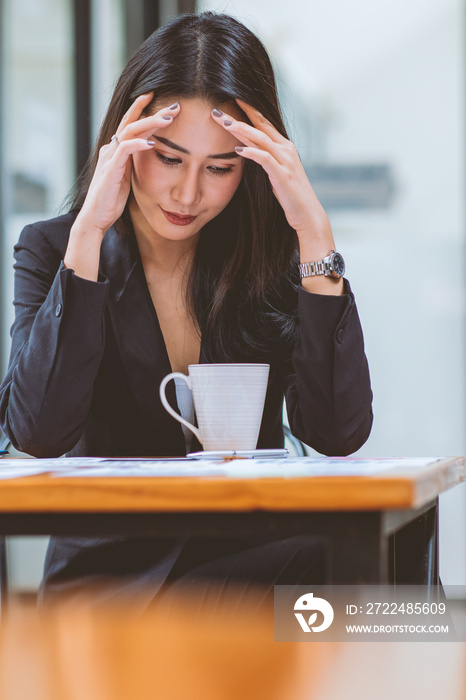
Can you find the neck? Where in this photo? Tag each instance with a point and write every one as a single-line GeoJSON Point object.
{"type": "Point", "coordinates": [162, 254]}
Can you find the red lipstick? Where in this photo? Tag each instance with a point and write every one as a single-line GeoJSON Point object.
{"type": "Point", "coordinates": [178, 219]}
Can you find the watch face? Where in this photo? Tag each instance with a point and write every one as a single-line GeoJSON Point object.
{"type": "Point", "coordinates": [338, 264]}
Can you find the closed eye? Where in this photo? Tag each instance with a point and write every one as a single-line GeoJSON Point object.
{"type": "Point", "coordinates": [215, 170]}
{"type": "Point", "coordinates": [168, 161]}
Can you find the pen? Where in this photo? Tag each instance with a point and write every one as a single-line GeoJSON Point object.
{"type": "Point", "coordinates": [238, 454]}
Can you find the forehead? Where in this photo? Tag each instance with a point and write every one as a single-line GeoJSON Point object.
{"type": "Point", "coordinates": [195, 130]}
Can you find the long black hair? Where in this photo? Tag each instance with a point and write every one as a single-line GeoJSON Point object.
{"type": "Point", "coordinates": [242, 289]}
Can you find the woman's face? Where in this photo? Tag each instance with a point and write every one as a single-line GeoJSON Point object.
{"type": "Point", "coordinates": [189, 176]}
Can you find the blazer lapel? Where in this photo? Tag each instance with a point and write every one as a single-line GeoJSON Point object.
{"type": "Point", "coordinates": [138, 335]}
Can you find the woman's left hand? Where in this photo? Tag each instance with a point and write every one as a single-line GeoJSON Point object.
{"type": "Point", "coordinates": [280, 159]}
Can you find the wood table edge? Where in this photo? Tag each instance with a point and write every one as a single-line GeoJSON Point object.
{"type": "Point", "coordinates": [45, 493]}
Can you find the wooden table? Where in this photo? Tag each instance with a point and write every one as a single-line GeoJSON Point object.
{"type": "Point", "coordinates": [381, 528]}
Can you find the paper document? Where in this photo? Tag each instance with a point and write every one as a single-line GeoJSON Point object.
{"type": "Point", "coordinates": [236, 468]}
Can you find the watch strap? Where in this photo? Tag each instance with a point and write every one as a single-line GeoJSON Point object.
{"type": "Point", "coordinates": [317, 267]}
{"type": "Point", "coordinates": [311, 269]}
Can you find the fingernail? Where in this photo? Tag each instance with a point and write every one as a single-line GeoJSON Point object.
{"type": "Point", "coordinates": [227, 122]}
{"type": "Point", "coordinates": [174, 105]}
{"type": "Point", "coordinates": [151, 143]}
{"type": "Point", "coordinates": [217, 113]}
{"type": "Point", "coordinates": [167, 117]}
{"type": "Point", "coordinates": [239, 149]}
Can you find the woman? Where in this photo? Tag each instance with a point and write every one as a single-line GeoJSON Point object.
{"type": "Point", "coordinates": [182, 246]}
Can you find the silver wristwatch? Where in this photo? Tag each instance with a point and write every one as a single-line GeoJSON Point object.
{"type": "Point", "coordinates": [331, 266]}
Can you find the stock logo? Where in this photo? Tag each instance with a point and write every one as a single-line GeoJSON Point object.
{"type": "Point", "coordinates": [308, 603]}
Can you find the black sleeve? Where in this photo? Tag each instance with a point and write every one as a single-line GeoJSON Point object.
{"type": "Point", "coordinates": [57, 345]}
{"type": "Point", "coordinates": [326, 381]}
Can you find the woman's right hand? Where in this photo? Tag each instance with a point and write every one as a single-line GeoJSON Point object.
{"type": "Point", "coordinates": [110, 186]}
{"type": "Point", "coordinates": [111, 183]}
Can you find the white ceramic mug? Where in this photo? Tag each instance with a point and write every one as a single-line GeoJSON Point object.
{"type": "Point", "coordinates": [229, 403]}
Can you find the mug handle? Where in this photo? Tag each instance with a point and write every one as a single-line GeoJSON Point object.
{"type": "Point", "coordinates": [170, 410]}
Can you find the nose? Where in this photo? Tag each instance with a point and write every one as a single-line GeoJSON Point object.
{"type": "Point", "coordinates": [187, 189]}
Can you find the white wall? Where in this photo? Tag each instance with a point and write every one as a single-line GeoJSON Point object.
{"type": "Point", "coordinates": [383, 81]}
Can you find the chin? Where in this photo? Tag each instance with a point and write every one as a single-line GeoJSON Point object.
{"type": "Point", "coordinates": [177, 233]}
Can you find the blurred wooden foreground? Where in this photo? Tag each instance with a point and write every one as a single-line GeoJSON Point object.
{"type": "Point", "coordinates": [77, 651]}
{"type": "Point", "coordinates": [80, 651]}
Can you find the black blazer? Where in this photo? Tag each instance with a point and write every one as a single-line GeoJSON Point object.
{"type": "Point", "coordinates": [87, 359]}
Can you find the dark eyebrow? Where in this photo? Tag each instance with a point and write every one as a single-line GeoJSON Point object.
{"type": "Point", "coordinates": [170, 144]}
